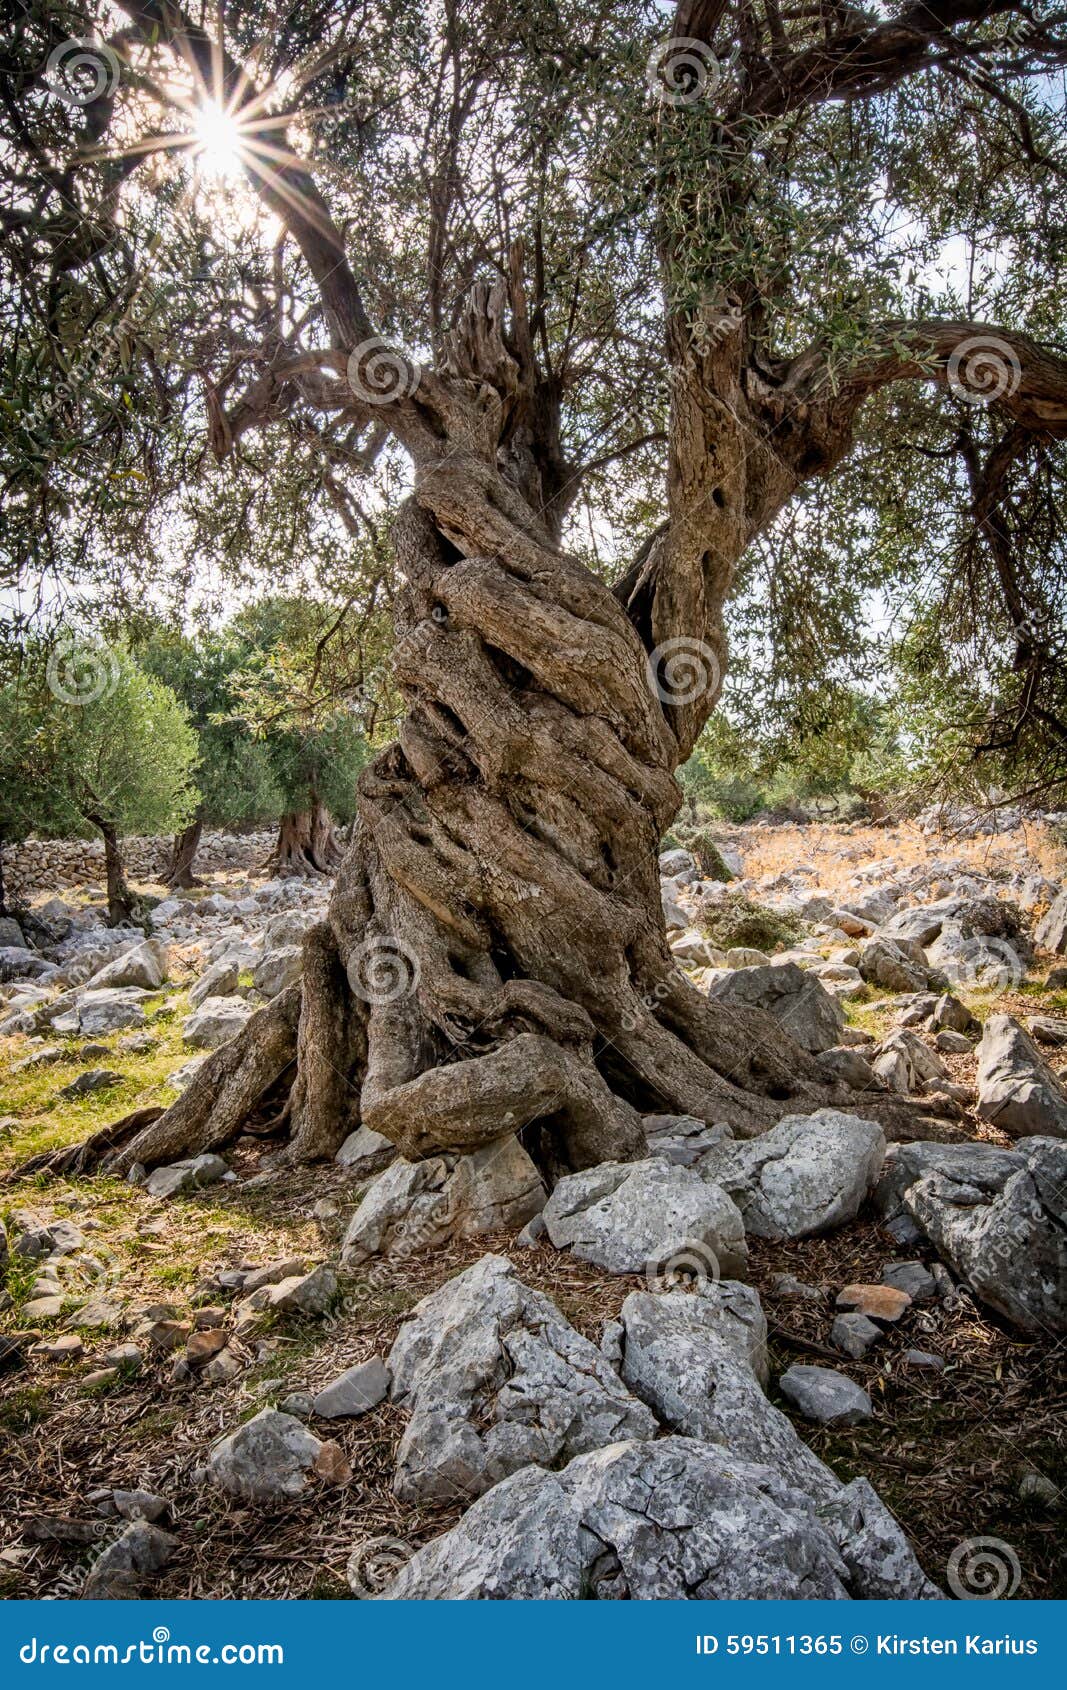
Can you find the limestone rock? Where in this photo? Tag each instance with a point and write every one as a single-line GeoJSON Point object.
{"type": "Point", "coordinates": [808, 1012]}
{"type": "Point", "coordinates": [495, 1379]}
{"type": "Point", "coordinates": [215, 1022]}
{"type": "Point", "coordinates": [807, 1174]}
{"type": "Point", "coordinates": [1051, 931]}
{"type": "Point", "coordinates": [998, 1217]}
{"type": "Point", "coordinates": [278, 969]}
{"type": "Point", "coordinates": [418, 1206]}
{"type": "Point", "coordinates": [820, 1394]}
{"type": "Point", "coordinates": [652, 1216]}
{"type": "Point", "coordinates": [122, 1570]}
{"type": "Point", "coordinates": [220, 980]}
{"type": "Point", "coordinates": [354, 1392]}
{"type": "Point", "coordinates": [1016, 1088]}
{"type": "Point", "coordinates": [366, 1152]}
{"type": "Point", "coordinates": [144, 965]}
{"type": "Point", "coordinates": [189, 1175]}
{"type": "Point", "coordinates": [267, 1460]}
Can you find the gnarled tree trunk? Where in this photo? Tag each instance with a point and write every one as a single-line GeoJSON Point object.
{"type": "Point", "coordinates": [306, 843]}
{"type": "Point", "coordinates": [495, 956]}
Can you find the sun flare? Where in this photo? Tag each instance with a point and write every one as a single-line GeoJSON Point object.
{"type": "Point", "coordinates": [219, 142]}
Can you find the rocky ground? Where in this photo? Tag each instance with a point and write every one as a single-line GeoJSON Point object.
{"type": "Point", "coordinates": [212, 1382]}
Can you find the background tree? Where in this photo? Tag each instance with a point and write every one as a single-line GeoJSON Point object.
{"type": "Point", "coordinates": [302, 691]}
{"type": "Point", "coordinates": [100, 745]}
{"type": "Point", "coordinates": [654, 280]}
{"type": "Point", "coordinates": [234, 773]}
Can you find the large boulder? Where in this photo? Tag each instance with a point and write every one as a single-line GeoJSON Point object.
{"type": "Point", "coordinates": [142, 965]}
{"type": "Point", "coordinates": [997, 1217]}
{"type": "Point", "coordinates": [495, 1379]}
{"type": "Point", "coordinates": [1016, 1088]}
{"type": "Point", "coordinates": [219, 981]}
{"type": "Point", "coordinates": [675, 1520]}
{"type": "Point", "coordinates": [905, 1064]}
{"type": "Point", "coordinates": [107, 1009]}
{"type": "Point", "coordinates": [807, 1011]}
{"type": "Point", "coordinates": [416, 1206]}
{"type": "Point", "coordinates": [808, 1174]}
{"type": "Point", "coordinates": [647, 1217]}
{"type": "Point", "coordinates": [216, 1022]}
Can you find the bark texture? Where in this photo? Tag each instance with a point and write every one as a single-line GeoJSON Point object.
{"type": "Point", "coordinates": [307, 843]}
{"type": "Point", "coordinates": [180, 874]}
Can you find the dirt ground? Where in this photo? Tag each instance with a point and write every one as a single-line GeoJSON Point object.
{"type": "Point", "coordinates": [947, 1450]}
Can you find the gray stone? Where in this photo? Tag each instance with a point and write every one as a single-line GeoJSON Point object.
{"type": "Point", "coordinates": [278, 969]}
{"type": "Point", "coordinates": [912, 1277]}
{"type": "Point", "coordinates": [843, 1065]}
{"type": "Point", "coordinates": [495, 1379]}
{"type": "Point", "coordinates": [1016, 1088]}
{"type": "Point", "coordinates": [94, 1079]}
{"type": "Point", "coordinates": [11, 934]}
{"type": "Point", "coordinates": [853, 1334]}
{"type": "Point", "coordinates": [220, 980]}
{"type": "Point", "coordinates": [267, 1460]}
{"type": "Point", "coordinates": [143, 965]}
{"type": "Point", "coordinates": [949, 1013]}
{"type": "Point", "coordinates": [829, 1398]}
{"type": "Point", "coordinates": [1051, 931]}
{"type": "Point", "coordinates": [366, 1152]}
{"type": "Point", "coordinates": [998, 1217]}
{"type": "Point", "coordinates": [673, 1520]}
{"type": "Point", "coordinates": [924, 1360]}
{"type": "Point", "coordinates": [139, 1504]}
{"type": "Point", "coordinates": [417, 1206]}
{"type": "Point", "coordinates": [652, 1216]}
{"type": "Point", "coordinates": [1047, 1030]}
{"type": "Point", "coordinates": [953, 1044]}
{"type": "Point", "coordinates": [361, 1388]}
{"type": "Point", "coordinates": [310, 1294]}
{"type": "Point", "coordinates": [798, 1001]}
{"type": "Point", "coordinates": [190, 1175]}
{"type": "Point", "coordinates": [676, 862]}
{"type": "Point", "coordinates": [890, 964]}
{"type": "Point", "coordinates": [906, 1064]}
{"type": "Point", "coordinates": [215, 1022]}
{"type": "Point", "coordinates": [807, 1174]}
{"type": "Point", "coordinates": [272, 1274]}
{"type": "Point", "coordinates": [122, 1570]}
{"type": "Point", "coordinates": [681, 1138]}
{"type": "Point", "coordinates": [109, 1010]}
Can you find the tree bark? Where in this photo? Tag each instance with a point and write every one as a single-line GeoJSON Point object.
{"type": "Point", "coordinates": [120, 900]}
{"type": "Point", "coordinates": [180, 874]}
{"type": "Point", "coordinates": [306, 844]}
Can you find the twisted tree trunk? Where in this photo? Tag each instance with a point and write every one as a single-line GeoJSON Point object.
{"type": "Point", "coordinates": [306, 844]}
{"type": "Point", "coordinates": [495, 956]}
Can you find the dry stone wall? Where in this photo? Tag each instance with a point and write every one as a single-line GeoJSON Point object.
{"type": "Point", "coordinates": [51, 865]}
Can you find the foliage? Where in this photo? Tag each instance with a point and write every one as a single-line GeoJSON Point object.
{"type": "Point", "coordinates": [736, 920]}
{"type": "Point", "coordinates": [100, 744]}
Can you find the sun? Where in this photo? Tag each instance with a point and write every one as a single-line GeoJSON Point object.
{"type": "Point", "coordinates": [219, 141]}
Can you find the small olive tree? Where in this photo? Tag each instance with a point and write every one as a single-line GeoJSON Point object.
{"type": "Point", "coordinates": [90, 741]}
